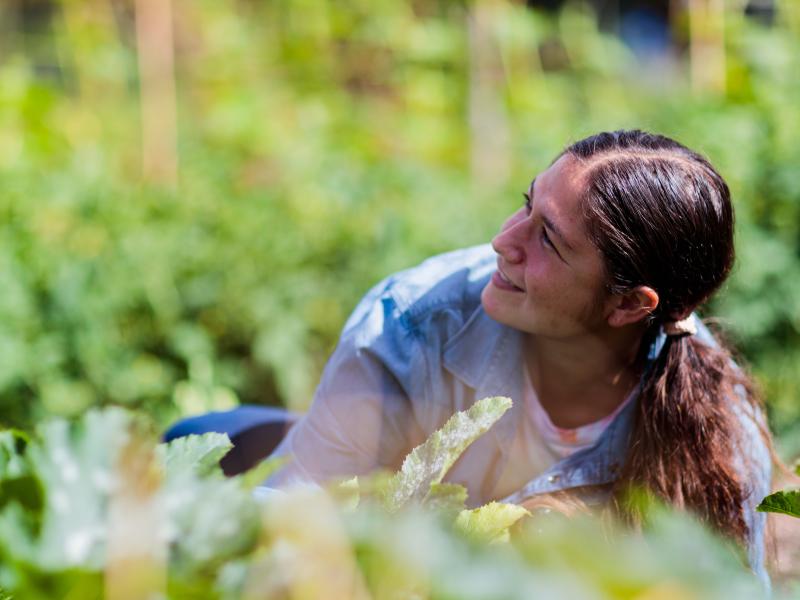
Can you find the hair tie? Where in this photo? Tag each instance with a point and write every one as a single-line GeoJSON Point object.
{"type": "Point", "coordinates": [687, 326]}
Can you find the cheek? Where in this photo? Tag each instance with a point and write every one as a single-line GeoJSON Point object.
{"type": "Point", "coordinates": [588, 301]}
{"type": "Point", "coordinates": [541, 272]}
{"type": "Point", "coordinates": [558, 289]}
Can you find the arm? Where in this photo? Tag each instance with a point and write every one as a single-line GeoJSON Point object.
{"type": "Point", "coordinates": [361, 417]}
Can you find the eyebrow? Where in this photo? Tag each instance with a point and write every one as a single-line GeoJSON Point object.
{"type": "Point", "coordinates": [549, 223]}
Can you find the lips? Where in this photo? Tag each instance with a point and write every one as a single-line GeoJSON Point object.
{"type": "Point", "coordinates": [501, 280]}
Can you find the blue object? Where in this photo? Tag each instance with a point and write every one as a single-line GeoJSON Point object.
{"type": "Point", "coordinates": [254, 430]}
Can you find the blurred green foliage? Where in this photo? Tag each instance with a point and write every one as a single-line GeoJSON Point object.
{"type": "Point", "coordinates": [93, 509]}
{"type": "Point", "coordinates": [321, 146]}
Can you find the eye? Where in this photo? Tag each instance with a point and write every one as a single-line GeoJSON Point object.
{"type": "Point", "coordinates": [546, 239]}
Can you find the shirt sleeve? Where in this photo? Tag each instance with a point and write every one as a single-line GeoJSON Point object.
{"type": "Point", "coordinates": [361, 417]}
{"type": "Point", "coordinates": [757, 470]}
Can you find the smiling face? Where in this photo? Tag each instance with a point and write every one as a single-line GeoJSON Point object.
{"type": "Point", "coordinates": [550, 277]}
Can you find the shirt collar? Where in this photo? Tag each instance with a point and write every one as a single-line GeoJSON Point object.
{"type": "Point", "coordinates": [483, 351]}
{"type": "Point", "coordinates": [487, 356]}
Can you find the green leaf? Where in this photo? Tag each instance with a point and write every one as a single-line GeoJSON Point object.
{"type": "Point", "coordinates": [17, 482]}
{"type": "Point", "coordinates": [17, 533]}
{"type": "Point", "coordinates": [257, 474]}
{"type": "Point", "coordinates": [207, 518]}
{"type": "Point", "coordinates": [489, 523]}
{"type": "Point", "coordinates": [199, 454]}
{"type": "Point", "coordinates": [12, 448]}
{"type": "Point", "coordinates": [348, 493]}
{"type": "Point", "coordinates": [446, 497]}
{"type": "Point", "coordinates": [71, 473]}
{"type": "Point", "coordinates": [211, 520]}
{"type": "Point", "coordinates": [26, 490]}
{"type": "Point", "coordinates": [428, 463]}
{"type": "Point", "coordinates": [786, 502]}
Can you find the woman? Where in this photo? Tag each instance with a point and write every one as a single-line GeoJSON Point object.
{"type": "Point", "coordinates": [581, 312]}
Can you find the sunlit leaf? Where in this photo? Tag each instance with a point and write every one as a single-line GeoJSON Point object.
{"type": "Point", "coordinates": [198, 453]}
{"type": "Point", "coordinates": [257, 474]}
{"type": "Point", "coordinates": [348, 493]}
{"type": "Point", "coordinates": [785, 502]}
{"type": "Point", "coordinates": [491, 522]}
{"type": "Point", "coordinates": [446, 497]}
{"type": "Point", "coordinates": [428, 463]}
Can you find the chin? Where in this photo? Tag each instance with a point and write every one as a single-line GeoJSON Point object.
{"type": "Point", "coordinates": [492, 306]}
{"type": "Point", "coordinates": [488, 302]}
{"type": "Point", "coordinates": [503, 313]}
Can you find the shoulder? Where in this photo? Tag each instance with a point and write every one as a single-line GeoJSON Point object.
{"type": "Point", "coordinates": [393, 344]}
{"type": "Point", "coordinates": [447, 284]}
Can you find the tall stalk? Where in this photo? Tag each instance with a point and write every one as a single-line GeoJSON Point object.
{"type": "Point", "coordinates": [156, 58]}
{"type": "Point", "coordinates": [707, 45]}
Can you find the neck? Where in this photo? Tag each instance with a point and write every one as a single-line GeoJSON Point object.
{"type": "Point", "coordinates": [583, 379]}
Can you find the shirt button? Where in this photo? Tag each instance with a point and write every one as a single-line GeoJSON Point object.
{"type": "Point", "coordinates": [553, 478]}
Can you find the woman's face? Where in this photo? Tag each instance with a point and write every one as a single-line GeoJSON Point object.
{"type": "Point", "coordinates": [550, 277]}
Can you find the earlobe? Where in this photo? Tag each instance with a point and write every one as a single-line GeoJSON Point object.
{"type": "Point", "coordinates": [633, 306]}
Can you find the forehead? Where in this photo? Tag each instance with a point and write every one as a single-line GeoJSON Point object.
{"type": "Point", "coordinates": [558, 194]}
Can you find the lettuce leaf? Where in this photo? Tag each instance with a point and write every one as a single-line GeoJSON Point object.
{"type": "Point", "coordinates": [491, 522]}
{"type": "Point", "coordinates": [428, 463]}
{"type": "Point", "coordinates": [199, 454]}
{"type": "Point", "coordinates": [446, 497]}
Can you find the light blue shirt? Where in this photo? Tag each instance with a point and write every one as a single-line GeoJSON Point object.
{"type": "Point", "coordinates": [418, 348]}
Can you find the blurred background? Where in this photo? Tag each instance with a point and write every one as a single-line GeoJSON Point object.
{"type": "Point", "coordinates": [194, 193]}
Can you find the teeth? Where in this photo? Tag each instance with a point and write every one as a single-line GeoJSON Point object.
{"type": "Point", "coordinates": [504, 278]}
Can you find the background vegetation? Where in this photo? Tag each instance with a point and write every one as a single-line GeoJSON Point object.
{"type": "Point", "coordinates": [193, 195]}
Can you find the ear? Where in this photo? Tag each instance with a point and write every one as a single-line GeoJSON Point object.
{"type": "Point", "coordinates": [632, 306]}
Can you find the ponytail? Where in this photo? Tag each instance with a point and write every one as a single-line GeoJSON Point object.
{"type": "Point", "coordinates": [686, 434]}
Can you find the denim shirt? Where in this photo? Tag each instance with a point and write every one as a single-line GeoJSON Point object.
{"type": "Point", "coordinates": [419, 347]}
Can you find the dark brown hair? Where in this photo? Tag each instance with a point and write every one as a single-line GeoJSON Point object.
{"type": "Point", "coordinates": [661, 216]}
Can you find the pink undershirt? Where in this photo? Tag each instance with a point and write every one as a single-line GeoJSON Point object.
{"type": "Point", "coordinates": [538, 443]}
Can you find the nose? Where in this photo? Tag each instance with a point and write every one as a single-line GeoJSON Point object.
{"type": "Point", "coordinates": [508, 244]}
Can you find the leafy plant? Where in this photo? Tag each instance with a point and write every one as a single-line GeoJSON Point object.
{"type": "Point", "coordinates": [420, 476]}
{"type": "Point", "coordinates": [111, 497]}
{"type": "Point", "coordinates": [119, 516]}
{"type": "Point", "coordinates": [785, 502]}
